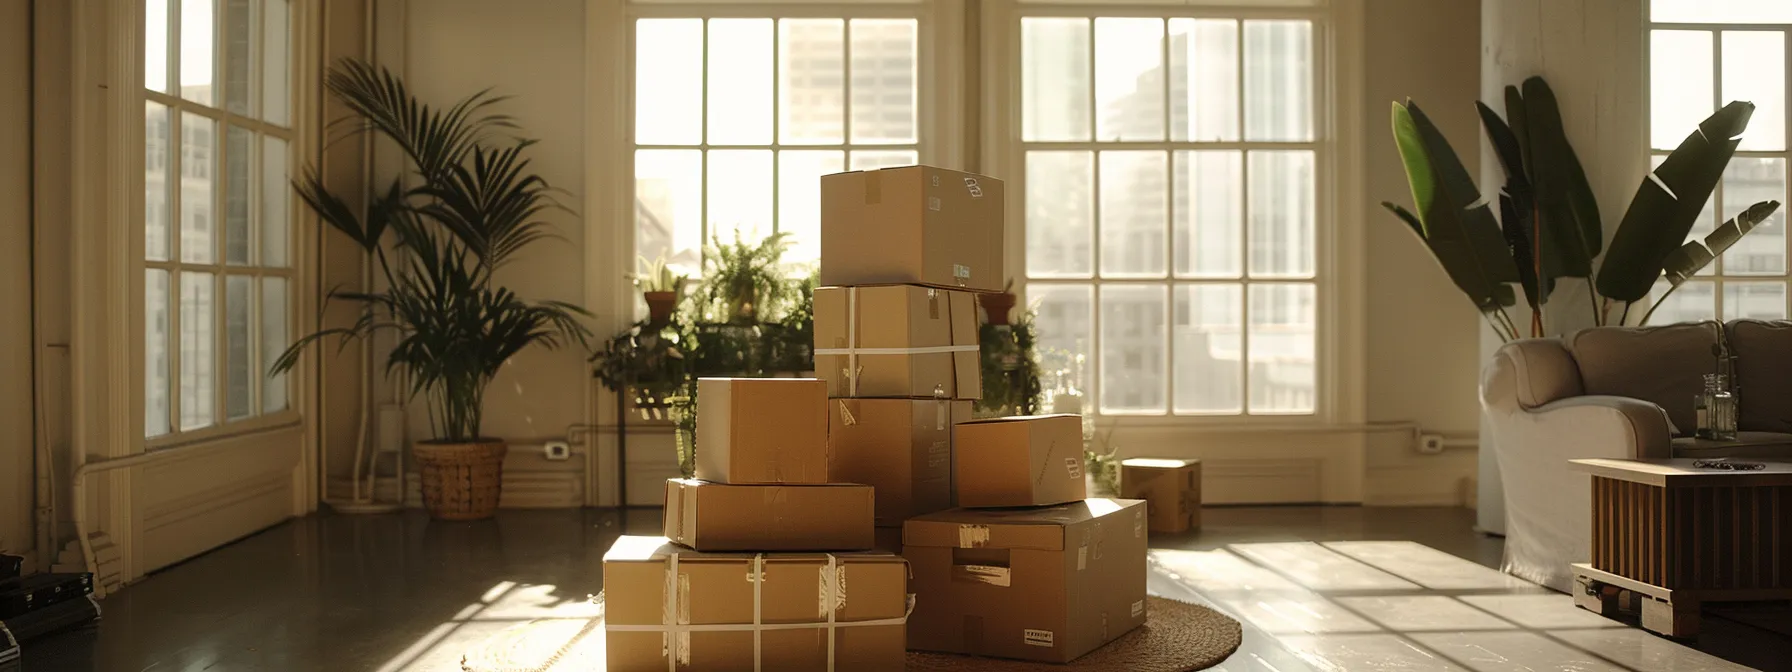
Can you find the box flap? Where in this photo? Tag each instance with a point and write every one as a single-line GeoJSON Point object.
{"type": "Point", "coordinates": [1038, 528]}
{"type": "Point", "coordinates": [1019, 418]}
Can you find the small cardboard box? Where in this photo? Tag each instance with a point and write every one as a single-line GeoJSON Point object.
{"type": "Point", "coordinates": [762, 430]}
{"type": "Point", "coordinates": [897, 341]}
{"type": "Point", "coordinates": [1031, 460]}
{"type": "Point", "coordinates": [724, 517]}
{"type": "Point", "coordinates": [654, 589]}
{"type": "Point", "coordinates": [1171, 490]}
{"type": "Point", "coordinates": [902, 447]}
{"type": "Point", "coordinates": [1047, 584]}
{"type": "Point", "coordinates": [916, 225]}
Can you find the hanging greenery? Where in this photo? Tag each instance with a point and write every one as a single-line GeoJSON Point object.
{"type": "Point", "coordinates": [1010, 366]}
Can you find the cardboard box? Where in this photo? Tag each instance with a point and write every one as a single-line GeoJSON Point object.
{"type": "Point", "coordinates": [1171, 490]}
{"type": "Point", "coordinates": [916, 225]}
{"type": "Point", "coordinates": [762, 430]}
{"type": "Point", "coordinates": [1019, 461]}
{"type": "Point", "coordinates": [1047, 584]}
{"type": "Point", "coordinates": [897, 341]}
{"type": "Point", "coordinates": [724, 517]}
{"type": "Point", "coordinates": [652, 587]}
{"type": "Point", "coordinates": [902, 447]}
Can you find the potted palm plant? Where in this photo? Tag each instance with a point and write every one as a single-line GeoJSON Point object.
{"type": "Point", "coordinates": [437, 236]}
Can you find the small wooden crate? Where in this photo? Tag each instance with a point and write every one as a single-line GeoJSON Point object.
{"type": "Point", "coordinates": [1171, 490]}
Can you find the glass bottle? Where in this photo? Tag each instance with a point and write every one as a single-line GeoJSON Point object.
{"type": "Point", "coordinates": [1720, 408]}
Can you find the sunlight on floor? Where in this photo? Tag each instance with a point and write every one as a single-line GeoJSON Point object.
{"type": "Point", "coordinates": [504, 606]}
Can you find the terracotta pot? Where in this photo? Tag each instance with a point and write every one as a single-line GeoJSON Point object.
{"type": "Point", "coordinates": [997, 306]}
{"type": "Point", "coordinates": [461, 481]}
{"type": "Point", "coordinates": [660, 306]}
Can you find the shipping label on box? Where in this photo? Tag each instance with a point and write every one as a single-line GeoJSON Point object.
{"type": "Point", "coordinates": [668, 607]}
{"type": "Point", "coordinates": [897, 341]}
{"type": "Point", "coordinates": [1047, 584]}
{"type": "Point", "coordinates": [917, 225]}
{"type": "Point", "coordinates": [902, 447]}
{"type": "Point", "coordinates": [1019, 461]}
{"type": "Point", "coordinates": [725, 517]}
{"type": "Point", "coordinates": [762, 430]}
{"type": "Point", "coordinates": [1171, 490]}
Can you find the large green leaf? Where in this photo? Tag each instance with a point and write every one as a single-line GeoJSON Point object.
{"type": "Point", "coordinates": [1515, 223]}
{"type": "Point", "coordinates": [1562, 189]}
{"type": "Point", "coordinates": [1458, 226]}
{"type": "Point", "coordinates": [1414, 159]}
{"type": "Point", "coordinates": [1667, 204]}
{"type": "Point", "coordinates": [1517, 216]}
{"type": "Point", "coordinates": [1689, 259]}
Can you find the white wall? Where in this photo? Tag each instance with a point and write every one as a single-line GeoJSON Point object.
{"type": "Point", "coordinates": [16, 394]}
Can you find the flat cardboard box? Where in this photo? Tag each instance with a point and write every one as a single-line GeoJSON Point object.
{"type": "Point", "coordinates": [901, 447]}
{"type": "Point", "coordinates": [762, 430]}
{"type": "Point", "coordinates": [725, 517]}
{"type": "Point", "coordinates": [649, 584]}
{"type": "Point", "coordinates": [1032, 460]}
{"type": "Point", "coordinates": [1046, 584]}
{"type": "Point", "coordinates": [903, 341]}
{"type": "Point", "coordinates": [916, 225]}
{"type": "Point", "coordinates": [1171, 490]}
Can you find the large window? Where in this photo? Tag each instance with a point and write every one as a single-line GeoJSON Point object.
{"type": "Point", "coordinates": [217, 219]}
{"type": "Point", "coordinates": [736, 119]}
{"type": "Point", "coordinates": [1172, 167]}
{"type": "Point", "coordinates": [1696, 65]}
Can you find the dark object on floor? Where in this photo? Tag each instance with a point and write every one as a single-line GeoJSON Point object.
{"type": "Point", "coordinates": [38, 591]}
{"type": "Point", "coordinates": [9, 651]}
{"type": "Point", "coordinates": [1177, 636]}
{"type": "Point", "coordinates": [10, 565]}
{"type": "Point", "coordinates": [53, 619]}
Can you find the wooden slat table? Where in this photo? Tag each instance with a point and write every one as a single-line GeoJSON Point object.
{"type": "Point", "coordinates": [1675, 536]}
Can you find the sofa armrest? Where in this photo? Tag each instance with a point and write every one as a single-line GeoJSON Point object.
{"type": "Point", "coordinates": [1530, 373]}
{"type": "Point", "coordinates": [1602, 425]}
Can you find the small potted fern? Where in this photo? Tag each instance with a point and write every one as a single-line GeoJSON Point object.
{"type": "Point", "coordinates": [660, 288]}
{"type": "Point", "coordinates": [746, 283]}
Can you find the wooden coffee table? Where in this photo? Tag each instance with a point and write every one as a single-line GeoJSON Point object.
{"type": "Point", "coordinates": [1675, 536]}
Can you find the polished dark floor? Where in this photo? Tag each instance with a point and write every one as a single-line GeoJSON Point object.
{"type": "Point", "coordinates": [400, 592]}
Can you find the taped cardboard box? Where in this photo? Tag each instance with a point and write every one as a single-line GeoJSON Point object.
{"type": "Point", "coordinates": [901, 447]}
{"type": "Point", "coordinates": [1031, 460]}
{"type": "Point", "coordinates": [762, 430]}
{"type": "Point", "coordinates": [672, 608]}
{"type": "Point", "coordinates": [1047, 584]}
{"type": "Point", "coordinates": [916, 225]}
{"type": "Point", "coordinates": [897, 341]}
{"type": "Point", "coordinates": [1171, 490]}
{"type": "Point", "coordinates": [725, 517]}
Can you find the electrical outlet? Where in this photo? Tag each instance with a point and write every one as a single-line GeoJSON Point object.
{"type": "Point", "coordinates": [1431, 444]}
{"type": "Point", "coordinates": [556, 450]}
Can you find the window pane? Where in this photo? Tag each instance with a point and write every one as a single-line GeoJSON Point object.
{"type": "Point", "coordinates": [1055, 80]}
{"type": "Point", "coordinates": [668, 81]}
{"type": "Point", "coordinates": [1209, 348]}
{"type": "Point", "coordinates": [273, 342]}
{"type": "Point", "coordinates": [811, 81]}
{"type": "Point", "coordinates": [1692, 302]}
{"type": "Point", "coordinates": [276, 61]}
{"type": "Point", "coordinates": [1065, 320]}
{"type": "Point", "coordinates": [156, 143]}
{"type": "Point", "coordinates": [239, 43]}
{"type": "Point", "coordinates": [1282, 224]}
{"type": "Point", "coordinates": [1750, 180]}
{"type": "Point", "coordinates": [155, 352]}
{"type": "Point", "coordinates": [155, 45]}
{"type": "Point", "coordinates": [198, 350]}
{"type": "Point", "coordinates": [669, 207]}
{"type": "Point", "coordinates": [237, 143]}
{"type": "Point", "coordinates": [1755, 71]}
{"type": "Point", "coordinates": [1060, 223]}
{"type": "Point", "coordinates": [238, 371]}
{"type": "Point", "coordinates": [1282, 344]}
{"type": "Point", "coordinates": [1755, 300]}
{"type": "Point", "coordinates": [198, 147]}
{"type": "Point", "coordinates": [1679, 84]}
{"type": "Point", "coordinates": [1209, 219]}
{"type": "Point", "coordinates": [1203, 79]}
{"type": "Point", "coordinates": [740, 81]}
{"type": "Point", "coordinates": [883, 81]}
{"type": "Point", "coordinates": [1132, 349]}
{"type": "Point", "coordinates": [275, 209]}
{"type": "Point", "coordinates": [1278, 80]}
{"type": "Point", "coordinates": [1720, 11]}
{"type": "Point", "coordinates": [1129, 79]}
{"type": "Point", "coordinates": [1134, 211]}
{"type": "Point", "coordinates": [882, 158]}
{"type": "Point", "coordinates": [196, 48]}
{"type": "Point", "coordinates": [799, 200]}
{"type": "Point", "coordinates": [740, 195]}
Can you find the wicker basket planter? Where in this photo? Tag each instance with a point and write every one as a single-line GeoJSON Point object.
{"type": "Point", "coordinates": [461, 481]}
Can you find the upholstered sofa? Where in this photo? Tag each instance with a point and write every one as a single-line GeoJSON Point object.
{"type": "Point", "coordinates": [1618, 392]}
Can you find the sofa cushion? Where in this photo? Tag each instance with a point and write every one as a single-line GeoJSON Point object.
{"type": "Point", "coordinates": [1763, 374]}
{"type": "Point", "coordinates": [1662, 365]}
{"type": "Point", "coordinates": [1756, 445]}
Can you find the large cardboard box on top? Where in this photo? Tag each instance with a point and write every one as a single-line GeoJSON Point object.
{"type": "Point", "coordinates": [724, 517]}
{"type": "Point", "coordinates": [917, 225]}
{"type": "Point", "coordinates": [1047, 584]}
{"type": "Point", "coordinates": [762, 430]}
{"type": "Point", "coordinates": [901, 447]}
{"type": "Point", "coordinates": [652, 586]}
{"type": "Point", "coordinates": [1019, 461]}
{"type": "Point", "coordinates": [897, 341]}
{"type": "Point", "coordinates": [1171, 490]}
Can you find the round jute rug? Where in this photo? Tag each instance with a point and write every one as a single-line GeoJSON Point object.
{"type": "Point", "coordinates": [1177, 636]}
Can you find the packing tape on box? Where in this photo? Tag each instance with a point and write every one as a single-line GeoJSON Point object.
{"type": "Point", "coordinates": [675, 616]}
{"type": "Point", "coordinates": [852, 349]}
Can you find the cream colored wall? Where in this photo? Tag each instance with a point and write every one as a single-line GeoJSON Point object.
{"type": "Point", "coordinates": [16, 394]}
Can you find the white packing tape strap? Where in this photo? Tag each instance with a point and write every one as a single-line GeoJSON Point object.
{"type": "Point", "coordinates": [833, 594]}
{"type": "Point", "coordinates": [758, 578]}
{"type": "Point", "coordinates": [924, 350]}
{"type": "Point", "coordinates": [852, 344]}
{"type": "Point", "coordinates": [671, 641]}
